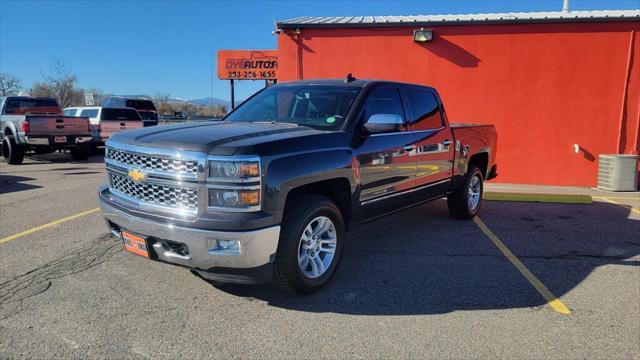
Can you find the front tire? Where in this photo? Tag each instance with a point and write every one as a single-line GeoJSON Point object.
{"type": "Point", "coordinates": [310, 245]}
{"type": "Point", "coordinates": [13, 153]}
{"type": "Point", "coordinates": [465, 203]}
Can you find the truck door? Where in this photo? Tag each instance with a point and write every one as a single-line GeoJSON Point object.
{"type": "Point", "coordinates": [386, 160]}
{"type": "Point", "coordinates": [434, 142]}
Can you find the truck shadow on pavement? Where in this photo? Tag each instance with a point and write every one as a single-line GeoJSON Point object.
{"type": "Point", "coordinates": [421, 261]}
{"type": "Point", "coordinates": [97, 157]}
{"type": "Point", "coordinates": [11, 183]}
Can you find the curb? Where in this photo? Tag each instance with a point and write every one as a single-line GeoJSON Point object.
{"type": "Point", "coordinates": [543, 198]}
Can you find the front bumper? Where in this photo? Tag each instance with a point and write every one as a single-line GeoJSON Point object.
{"type": "Point", "coordinates": [51, 140]}
{"type": "Point", "coordinates": [257, 247]}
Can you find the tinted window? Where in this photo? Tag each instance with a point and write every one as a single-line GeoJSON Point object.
{"type": "Point", "coordinates": [425, 110]}
{"type": "Point", "coordinates": [91, 113]}
{"type": "Point", "coordinates": [384, 101]}
{"type": "Point", "coordinates": [140, 104]}
{"type": "Point", "coordinates": [148, 115]}
{"type": "Point", "coordinates": [317, 106]}
{"type": "Point", "coordinates": [31, 106]}
{"type": "Point", "coordinates": [120, 114]}
{"type": "Point", "coordinates": [69, 112]}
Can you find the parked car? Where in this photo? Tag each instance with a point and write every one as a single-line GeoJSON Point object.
{"type": "Point", "coordinates": [107, 121]}
{"type": "Point", "coordinates": [268, 193]}
{"type": "Point", "coordinates": [38, 124]}
{"type": "Point", "coordinates": [143, 106]}
{"type": "Point", "coordinates": [182, 115]}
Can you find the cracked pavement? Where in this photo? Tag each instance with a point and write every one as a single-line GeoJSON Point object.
{"type": "Point", "coordinates": [414, 285]}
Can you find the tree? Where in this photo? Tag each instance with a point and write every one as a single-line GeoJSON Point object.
{"type": "Point", "coordinates": [59, 84]}
{"type": "Point", "coordinates": [219, 110]}
{"type": "Point", "coordinates": [162, 104]}
{"type": "Point", "coordinates": [9, 84]}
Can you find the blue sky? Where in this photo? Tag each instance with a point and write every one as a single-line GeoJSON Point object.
{"type": "Point", "coordinates": [150, 47]}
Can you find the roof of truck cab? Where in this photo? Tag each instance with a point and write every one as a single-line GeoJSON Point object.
{"type": "Point", "coordinates": [27, 97]}
{"type": "Point", "coordinates": [356, 82]}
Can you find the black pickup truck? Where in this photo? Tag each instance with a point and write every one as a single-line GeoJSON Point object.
{"type": "Point", "coordinates": [268, 192]}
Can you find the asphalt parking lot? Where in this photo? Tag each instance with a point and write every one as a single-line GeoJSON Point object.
{"type": "Point", "coordinates": [414, 285]}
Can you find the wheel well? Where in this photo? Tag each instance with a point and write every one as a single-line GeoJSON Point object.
{"type": "Point", "coordinates": [337, 190]}
{"type": "Point", "coordinates": [481, 160]}
{"type": "Point", "coordinates": [7, 131]}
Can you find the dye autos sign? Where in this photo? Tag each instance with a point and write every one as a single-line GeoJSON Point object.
{"type": "Point", "coordinates": [247, 65]}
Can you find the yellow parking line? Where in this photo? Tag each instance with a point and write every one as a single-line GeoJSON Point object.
{"type": "Point", "coordinates": [552, 301]}
{"type": "Point", "coordinates": [609, 200]}
{"type": "Point", "coordinates": [42, 227]}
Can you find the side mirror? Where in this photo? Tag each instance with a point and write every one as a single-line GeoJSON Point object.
{"type": "Point", "coordinates": [381, 123]}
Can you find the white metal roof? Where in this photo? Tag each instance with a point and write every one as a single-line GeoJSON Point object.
{"type": "Point", "coordinates": [451, 19]}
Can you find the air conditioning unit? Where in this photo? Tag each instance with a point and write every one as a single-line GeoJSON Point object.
{"type": "Point", "coordinates": [618, 172]}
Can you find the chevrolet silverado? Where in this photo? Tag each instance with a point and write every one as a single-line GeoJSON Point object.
{"type": "Point", "coordinates": [267, 193]}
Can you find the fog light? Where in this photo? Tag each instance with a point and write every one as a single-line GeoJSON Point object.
{"type": "Point", "coordinates": [222, 247]}
{"type": "Point", "coordinates": [229, 244]}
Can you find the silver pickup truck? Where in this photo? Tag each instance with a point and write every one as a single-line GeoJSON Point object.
{"type": "Point", "coordinates": [38, 124]}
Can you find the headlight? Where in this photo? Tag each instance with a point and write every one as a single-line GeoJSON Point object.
{"type": "Point", "coordinates": [233, 198]}
{"type": "Point", "coordinates": [233, 184]}
{"type": "Point", "coordinates": [233, 170]}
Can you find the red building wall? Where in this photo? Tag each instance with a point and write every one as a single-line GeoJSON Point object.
{"type": "Point", "coordinates": [546, 87]}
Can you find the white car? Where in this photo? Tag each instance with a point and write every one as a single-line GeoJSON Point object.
{"type": "Point", "coordinates": [107, 121]}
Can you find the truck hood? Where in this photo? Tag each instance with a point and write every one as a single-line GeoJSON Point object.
{"type": "Point", "coordinates": [220, 138]}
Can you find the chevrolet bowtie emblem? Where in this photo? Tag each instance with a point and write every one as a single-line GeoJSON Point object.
{"type": "Point", "coordinates": [136, 175]}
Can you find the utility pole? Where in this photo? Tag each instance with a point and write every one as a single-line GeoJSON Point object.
{"type": "Point", "coordinates": [211, 90]}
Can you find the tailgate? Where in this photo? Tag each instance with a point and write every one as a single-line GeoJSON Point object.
{"type": "Point", "coordinates": [110, 127]}
{"type": "Point", "coordinates": [57, 125]}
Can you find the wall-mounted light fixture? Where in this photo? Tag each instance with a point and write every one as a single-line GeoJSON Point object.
{"type": "Point", "coordinates": [422, 35]}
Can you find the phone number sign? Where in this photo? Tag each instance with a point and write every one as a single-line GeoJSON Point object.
{"type": "Point", "coordinates": [247, 65]}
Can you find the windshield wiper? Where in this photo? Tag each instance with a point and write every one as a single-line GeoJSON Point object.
{"type": "Point", "coordinates": [273, 122]}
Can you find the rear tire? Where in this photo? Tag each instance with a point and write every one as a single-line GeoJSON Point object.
{"type": "Point", "coordinates": [13, 153]}
{"type": "Point", "coordinates": [465, 203]}
{"type": "Point", "coordinates": [81, 152]}
{"type": "Point", "coordinates": [307, 256]}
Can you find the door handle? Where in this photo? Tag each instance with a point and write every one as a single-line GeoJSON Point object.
{"type": "Point", "coordinates": [446, 142]}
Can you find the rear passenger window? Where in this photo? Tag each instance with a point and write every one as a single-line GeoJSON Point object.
{"type": "Point", "coordinates": [425, 110]}
{"type": "Point", "coordinates": [384, 100]}
{"type": "Point", "coordinates": [90, 113]}
{"type": "Point", "coordinates": [69, 112]}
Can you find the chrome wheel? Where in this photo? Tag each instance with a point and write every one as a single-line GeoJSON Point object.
{"type": "Point", "coordinates": [317, 247]}
{"type": "Point", "coordinates": [475, 187]}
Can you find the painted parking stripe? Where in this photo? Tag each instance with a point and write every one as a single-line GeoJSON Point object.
{"type": "Point", "coordinates": [45, 226]}
{"type": "Point", "coordinates": [552, 300]}
{"type": "Point", "coordinates": [611, 201]}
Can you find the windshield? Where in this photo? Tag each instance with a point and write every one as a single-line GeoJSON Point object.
{"type": "Point", "coordinates": [322, 107]}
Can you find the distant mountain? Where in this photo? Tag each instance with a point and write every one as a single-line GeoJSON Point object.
{"type": "Point", "coordinates": [202, 101]}
{"type": "Point", "coordinates": [208, 100]}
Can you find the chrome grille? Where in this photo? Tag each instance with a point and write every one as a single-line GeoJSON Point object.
{"type": "Point", "coordinates": [182, 198]}
{"type": "Point", "coordinates": [176, 166]}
